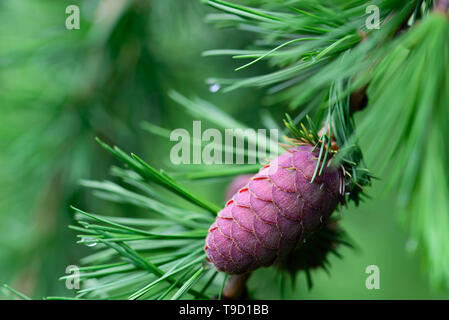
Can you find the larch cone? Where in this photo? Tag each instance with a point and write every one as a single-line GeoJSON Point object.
{"type": "Point", "coordinates": [275, 211]}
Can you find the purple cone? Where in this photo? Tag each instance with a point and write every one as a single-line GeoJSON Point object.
{"type": "Point", "coordinates": [273, 212]}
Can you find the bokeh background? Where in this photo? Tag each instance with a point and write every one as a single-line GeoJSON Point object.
{"type": "Point", "coordinates": [60, 88]}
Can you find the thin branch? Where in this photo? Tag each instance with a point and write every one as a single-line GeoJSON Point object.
{"type": "Point", "coordinates": [235, 288]}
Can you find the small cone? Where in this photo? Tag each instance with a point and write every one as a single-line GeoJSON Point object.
{"type": "Point", "coordinates": [272, 213]}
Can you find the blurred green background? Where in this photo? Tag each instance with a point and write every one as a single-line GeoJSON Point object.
{"type": "Point", "coordinates": [61, 88]}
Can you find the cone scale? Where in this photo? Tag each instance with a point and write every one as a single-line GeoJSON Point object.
{"type": "Point", "coordinates": [275, 211]}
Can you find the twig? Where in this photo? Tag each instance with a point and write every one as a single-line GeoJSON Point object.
{"type": "Point", "coordinates": [235, 288]}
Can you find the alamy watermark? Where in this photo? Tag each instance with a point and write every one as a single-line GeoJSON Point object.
{"type": "Point", "coordinates": [373, 20]}
{"type": "Point", "coordinates": [73, 279]}
{"type": "Point", "coordinates": [373, 280]}
{"type": "Point", "coordinates": [72, 22]}
{"type": "Point", "coordinates": [210, 147]}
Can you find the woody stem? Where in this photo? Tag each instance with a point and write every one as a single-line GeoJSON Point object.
{"type": "Point", "coordinates": [235, 288]}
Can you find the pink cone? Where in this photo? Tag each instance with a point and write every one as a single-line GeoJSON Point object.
{"type": "Point", "coordinates": [273, 212]}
